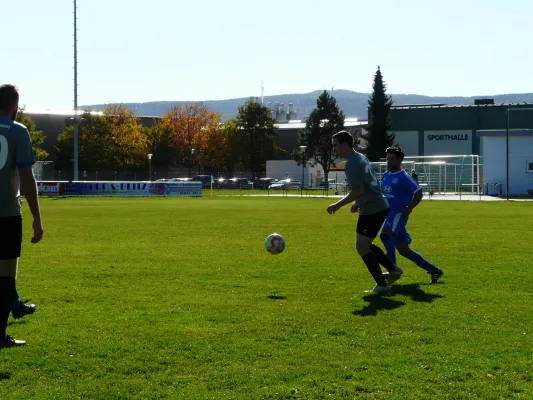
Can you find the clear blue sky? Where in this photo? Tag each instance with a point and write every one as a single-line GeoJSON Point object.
{"type": "Point", "coordinates": [138, 51]}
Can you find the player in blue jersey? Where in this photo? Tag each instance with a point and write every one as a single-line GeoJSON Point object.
{"type": "Point", "coordinates": [403, 194]}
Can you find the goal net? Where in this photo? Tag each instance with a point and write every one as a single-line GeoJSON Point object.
{"type": "Point", "coordinates": [446, 174]}
{"type": "Point", "coordinates": [44, 171]}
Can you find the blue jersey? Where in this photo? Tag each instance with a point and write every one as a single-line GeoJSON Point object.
{"type": "Point", "coordinates": [399, 189]}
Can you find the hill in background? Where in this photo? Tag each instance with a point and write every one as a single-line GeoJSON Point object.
{"type": "Point", "coordinates": [353, 104]}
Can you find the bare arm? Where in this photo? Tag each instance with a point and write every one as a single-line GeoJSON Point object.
{"type": "Point", "coordinates": [28, 188]}
{"type": "Point", "coordinates": [349, 198]}
{"type": "Point", "coordinates": [417, 198]}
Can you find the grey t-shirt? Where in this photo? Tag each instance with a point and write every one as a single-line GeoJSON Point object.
{"type": "Point", "coordinates": [359, 173]}
{"type": "Point", "coordinates": [15, 153]}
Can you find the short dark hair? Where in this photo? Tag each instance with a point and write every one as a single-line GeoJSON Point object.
{"type": "Point", "coordinates": [395, 150]}
{"type": "Point", "coordinates": [9, 96]}
{"type": "Point", "coordinates": [344, 137]}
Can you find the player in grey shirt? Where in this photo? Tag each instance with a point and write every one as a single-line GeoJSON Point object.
{"type": "Point", "coordinates": [359, 173]}
{"type": "Point", "coordinates": [373, 207]}
{"type": "Point", "coordinates": [16, 160]}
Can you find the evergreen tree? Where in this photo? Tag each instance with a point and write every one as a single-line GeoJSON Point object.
{"type": "Point", "coordinates": [379, 106]}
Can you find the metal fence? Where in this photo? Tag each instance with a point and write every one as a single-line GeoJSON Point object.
{"type": "Point", "coordinates": [443, 174]}
{"type": "Point", "coordinates": [437, 174]}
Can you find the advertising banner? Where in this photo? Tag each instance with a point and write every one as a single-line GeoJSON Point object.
{"type": "Point", "coordinates": [184, 189]}
{"type": "Point", "coordinates": [113, 188]}
{"type": "Point", "coordinates": [51, 188]}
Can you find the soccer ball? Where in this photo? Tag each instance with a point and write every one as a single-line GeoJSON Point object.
{"type": "Point", "coordinates": [275, 243]}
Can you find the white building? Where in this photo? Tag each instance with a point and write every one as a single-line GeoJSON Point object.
{"type": "Point", "coordinates": [312, 175]}
{"type": "Point", "coordinates": [514, 171]}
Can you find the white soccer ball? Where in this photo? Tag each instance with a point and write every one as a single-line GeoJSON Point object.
{"type": "Point", "coordinates": [275, 243]}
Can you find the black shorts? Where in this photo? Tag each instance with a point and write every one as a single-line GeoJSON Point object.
{"type": "Point", "coordinates": [10, 237]}
{"type": "Point", "coordinates": [369, 225]}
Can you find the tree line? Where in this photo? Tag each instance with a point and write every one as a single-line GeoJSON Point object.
{"type": "Point", "coordinates": [187, 135]}
{"type": "Point", "coordinates": [190, 135]}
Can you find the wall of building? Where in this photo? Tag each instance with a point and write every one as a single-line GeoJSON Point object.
{"type": "Point", "coordinates": [313, 175]}
{"type": "Point", "coordinates": [283, 169]}
{"type": "Point", "coordinates": [459, 117]}
{"type": "Point", "coordinates": [408, 141]}
{"type": "Point", "coordinates": [520, 154]}
{"type": "Point", "coordinates": [443, 142]}
{"type": "Point", "coordinates": [437, 130]}
{"type": "Point", "coordinates": [51, 125]}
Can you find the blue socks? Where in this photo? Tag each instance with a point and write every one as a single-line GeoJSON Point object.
{"type": "Point", "coordinates": [388, 242]}
{"type": "Point", "coordinates": [422, 262]}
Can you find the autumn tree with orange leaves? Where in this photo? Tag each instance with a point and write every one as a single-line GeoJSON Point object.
{"type": "Point", "coordinates": [226, 147]}
{"type": "Point", "coordinates": [192, 129]}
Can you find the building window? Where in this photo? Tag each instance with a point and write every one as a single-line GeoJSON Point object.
{"type": "Point", "coordinates": [530, 166]}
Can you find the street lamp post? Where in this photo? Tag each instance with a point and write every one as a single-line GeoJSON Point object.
{"type": "Point", "coordinates": [76, 128]}
{"type": "Point", "coordinates": [302, 148]}
{"type": "Point", "coordinates": [150, 167]}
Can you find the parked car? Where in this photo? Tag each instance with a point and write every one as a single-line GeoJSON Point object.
{"type": "Point", "coordinates": [239, 183]}
{"type": "Point", "coordinates": [264, 183]}
{"type": "Point", "coordinates": [179, 180]}
{"type": "Point", "coordinates": [220, 183]}
{"type": "Point", "coordinates": [332, 184]}
{"type": "Point", "coordinates": [286, 184]}
{"type": "Point", "coordinates": [205, 179]}
{"type": "Point", "coordinates": [278, 185]}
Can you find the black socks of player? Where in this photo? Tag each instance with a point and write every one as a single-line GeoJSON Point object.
{"type": "Point", "coordinates": [7, 293]}
{"type": "Point", "coordinates": [372, 264]}
{"type": "Point", "coordinates": [382, 258]}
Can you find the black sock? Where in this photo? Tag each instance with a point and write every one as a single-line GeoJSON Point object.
{"type": "Point", "coordinates": [372, 264]}
{"type": "Point", "coordinates": [7, 292]}
{"type": "Point", "coordinates": [382, 258]}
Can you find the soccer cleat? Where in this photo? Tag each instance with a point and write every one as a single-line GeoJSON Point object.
{"type": "Point", "coordinates": [379, 289]}
{"type": "Point", "coordinates": [394, 276]}
{"type": "Point", "coordinates": [436, 275]}
{"type": "Point", "coordinates": [23, 310]}
{"type": "Point", "coordinates": [8, 341]}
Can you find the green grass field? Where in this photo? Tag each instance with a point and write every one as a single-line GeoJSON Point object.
{"type": "Point", "coordinates": [177, 299]}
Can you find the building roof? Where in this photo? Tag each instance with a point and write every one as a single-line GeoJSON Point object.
{"type": "Point", "coordinates": [300, 124]}
{"type": "Point", "coordinates": [426, 106]}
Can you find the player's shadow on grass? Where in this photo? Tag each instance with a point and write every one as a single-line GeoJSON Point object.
{"type": "Point", "coordinates": [4, 376]}
{"type": "Point", "coordinates": [380, 303]}
{"type": "Point", "coordinates": [414, 291]}
{"type": "Point", "coordinates": [16, 322]}
{"type": "Point", "coordinates": [377, 303]}
{"type": "Point", "coordinates": [277, 297]}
